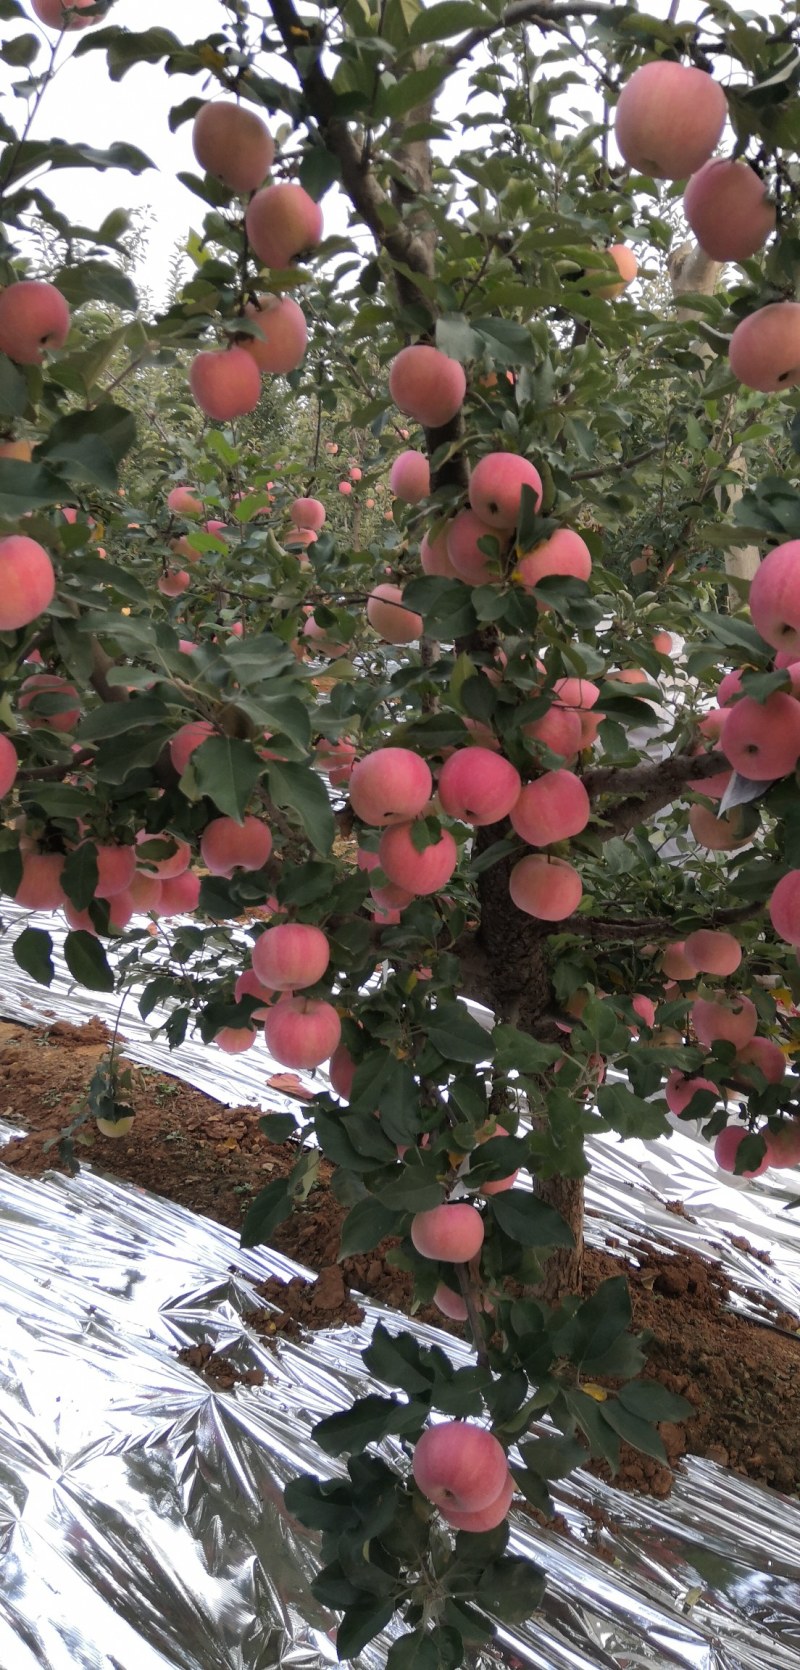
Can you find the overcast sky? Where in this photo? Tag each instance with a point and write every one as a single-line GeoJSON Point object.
{"type": "Point", "coordinates": [84, 104]}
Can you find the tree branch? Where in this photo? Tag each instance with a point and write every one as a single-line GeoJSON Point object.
{"type": "Point", "coordinates": [647, 788]}
{"type": "Point", "coordinates": [98, 678]}
{"type": "Point", "coordinates": [537, 12]}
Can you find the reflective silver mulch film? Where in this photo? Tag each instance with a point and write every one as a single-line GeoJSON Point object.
{"type": "Point", "coordinates": [141, 1516]}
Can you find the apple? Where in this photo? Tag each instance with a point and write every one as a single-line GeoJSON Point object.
{"type": "Point", "coordinates": [495, 488]}
{"type": "Point", "coordinates": [416, 872]}
{"type": "Point", "coordinates": [281, 347]}
{"type": "Point", "coordinates": [553, 808]}
{"type": "Point", "coordinates": [180, 894]}
{"type": "Point", "coordinates": [558, 729]}
{"type": "Point", "coordinates": [451, 1233]}
{"type": "Point", "coordinates": [784, 907]}
{"type": "Point", "coordinates": [563, 553]}
{"type": "Point", "coordinates": [307, 513]}
{"type": "Point", "coordinates": [168, 868]}
{"type": "Point", "coordinates": [233, 144]}
{"type": "Point", "coordinates": [34, 319]}
{"type": "Point", "coordinates": [9, 765]}
{"type": "Point", "coordinates": [282, 221]}
{"type": "Point", "coordinates": [728, 208]}
{"type": "Point", "coordinates": [234, 1040]}
{"type": "Point", "coordinates": [477, 786]}
{"type": "Point", "coordinates": [765, 348]}
{"type": "Point", "coordinates": [427, 385]}
{"type": "Point", "coordinates": [627, 266]}
{"type": "Point", "coordinates": [726, 1148]}
{"type": "Point", "coordinates": [548, 888]}
{"type": "Point", "coordinates": [388, 616]}
{"type": "Point", "coordinates": [435, 558]}
{"type": "Point", "coordinates": [410, 477]}
{"type": "Point", "coordinates": [468, 561]}
{"type": "Point", "coordinates": [718, 834]}
{"type": "Point", "coordinates": [27, 581]}
{"type": "Point", "coordinates": [145, 893]}
{"type": "Point", "coordinates": [40, 887]}
{"type": "Point", "coordinates": [302, 1031]}
{"type": "Point", "coordinates": [64, 14]}
{"type": "Point", "coordinates": [767, 1056]}
{"type": "Point", "coordinates": [184, 502]}
{"type": "Point", "coordinates": [342, 1071]}
{"type": "Point", "coordinates": [485, 1519]}
{"type": "Point", "coordinates": [226, 845]}
{"type": "Point", "coordinates": [726, 1019]}
{"type": "Point", "coordinates": [291, 956]}
{"type": "Point", "coordinates": [713, 952]}
{"type": "Point", "coordinates": [669, 119]}
{"type": "Point", "coordinates": [676, 964]}
{"type": "Point", "coordinates": [681, 1087]}
{"type": "Point", "coordinates": [783, 1145]}
{"type": "Point", "coordinates": [249, 985]}
{"type": "Point", "coordinates": [174, 583]}
{"type": "Point", "coordinates": [43, 691]}
{"type": "Point", "coordinates": [460, 1467]}
{"type": "Point", "coordinates": [775, 597]}
{"type": "Point", "coordinates": [390, 785]}
{"type": "Point", "coordinates": [182, 745]}
{"type": "Point", "coordinates": [762, 740]}
{"type": "Point", "coordinates": [226, 383]}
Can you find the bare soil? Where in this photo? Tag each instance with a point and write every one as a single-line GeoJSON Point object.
{"type": "Point", "coordinates": [742, 1378]}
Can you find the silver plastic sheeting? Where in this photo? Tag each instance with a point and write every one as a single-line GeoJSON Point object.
{"type": "Point", "coordinates": [142, 1524]}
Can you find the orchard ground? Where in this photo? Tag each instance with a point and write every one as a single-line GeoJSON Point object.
{"type": "Point", "coordinates": [742, 1378]}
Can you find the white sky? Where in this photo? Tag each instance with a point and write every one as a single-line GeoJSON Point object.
{"type": "Point", "coordinates": [84, 105]}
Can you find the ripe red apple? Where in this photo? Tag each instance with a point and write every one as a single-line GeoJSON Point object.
{"type": "Point", "coordinates": [460, 1467]}
{"type": "Point", "coordinates": [563, 553]}
{"type": "Point", "coordinates": [302, 1031]}
{"type": "Point", "coordinates": [767, 1056]}
{"type": "Point", "coordinates": [64, 14]}
{"type": "Point", "coordinates": [388, 616]}
{"type": "Point", "coordinates": [226, 845]}
{"type": "Point", "coordinates": [184, 501]}
{"type": "Point", "coordinates": [727, 1019]}
{"type": "Point", "coordinates": [145, 893]}
{"type": "Point", "coordinates": [676, 964]}
{"type": "Point", "coordinates": [553, 808]}
{"type": "Point", "coordinates": [234, 1040]}
{"type": "Point", "coordinates": [249, 985]}
{"type": "Point", "coordinates": [27, 581]}
{"type": "Point", "coordinates": [726, 1148]}
{"type": "Point", "coordinates": [765, 348]}
{"type": "Point", "coordinates": [225, 383]}
{"type": "Point", "coordinates": [559, 729]}
{"type": "Point", "coordinates": [174, 864]}
{"type": "Point", "coordinates": [284, 334]}
{"type": "Point", "coordinates": [627, 266]}
{"type": "Point", "coordinates": [34, 318]}
{"type": "Point", "coordinates": [645, 1008]}
{"type": "Point", "coordinates": [48, 686]}
{"type": "Point", "coordinates": [775, 597]}
{"type": "Point", "coordinates": [308, 513]}
{"type": "Point", "coordinates": [669, 119]}
{"type": "Point", "coordinates": [22, 451]}
{"type": "Point", "coordinates": [548, 888]}
{"type": "Point", "coordinates": [9, 765]}
{"type": "Point", "coordinates": [495, 488]}
{"type": "Point", "coordinates": [282, 221]}
{"type": "Point", "coordinates": [713, 952]}
{"type": "Point", "coordinates": [783, 1145]}
{"type": "Point", "coordinates": [762, 740]}
{"type": "Point", "coordinates": [681, 1087]}
{"type": "Point", "coordinates": [342, 1071]}
{"type": "Point", "coordinates": [485, 1519]}
{"type": "Point", "coordinates": [416, 872]}
{"type": "Point", "coordinates": [173, 584]}
{"type": "Point", "coordinates": [182, 745]}
{"type": "Point", "coordinates": [728, 208]}
{"type": "Point", "coordinates": [451, 1233]}
{"type": "Point", "coordinates": [233, 144]}
{"type": "Point", "coordinates": [116, 867]}
{"type": "Point", "coordinates": [478, 786]}
{"type": "Point", "coordinates": [784, 907]}
{"type": "Point", "coordinates": [390, 785]}
{"type": "Point", "coordinates": [40, 887]}
{"type": "Point", "coordinates": [410, 478]}
{"type": "Point", "coordinates": [427, 385]}
{"type": "Point", "coordinates": [718, 834]}
{"type": "Point", "coordinates": [180, 894]}
{"type": "Point", "coordinates": [469, 562]}
{"type": "Point", "coordinates": [291, 956]}
{"type": "Point", "coordinates": [435, 558]}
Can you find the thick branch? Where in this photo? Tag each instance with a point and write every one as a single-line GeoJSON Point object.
{"type": "Point", "coordinates": [98, 678]}
{"type": "Point", "coordinates": [647, 788]}
{"type": "Point", "coordinates": [649, 927]}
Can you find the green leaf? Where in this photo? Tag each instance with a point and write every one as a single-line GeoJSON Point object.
{"type": "Point", "coordinates": [454, 334]}
{"type": "Point", "coordinates": [21, 51]}
{"type": "Point", "coordinates": [97, 281]}
{"type": "Point", "coordinates": [79, 875]}
{"type": "Point", "coordinates": [87, 961]}
{"type": "Point", "coordinates": [13, 389]}
{"type": "Point", "coordinates": [115, 718]}
{"type": "Point", "coordinates": [227, 769]}
{"type": "Point", "coordinates": [457, 1036]}
{"type": "Point", "coordinates": [530, 1221]}
{"type": "Point", "coordinates": [516, 1051]}
{"type": "Point", "coordinates": [270, 1207]}
{"type": "Point", "coordinates": [368, 1420]}
{"type": "Point", "coordinates": [416, 1651]}
{"type": "Point", "coordinates": [652, 1402]}
{"type": "Point", "coordinates": [367, 1223]}
{"type": "Point", "coordinates": [635, 1431]}
{"type": "Point", "coordinates": [91, 443]}
{"type": "Point", "coordinates": [441, 22]}
{"type": "Point", "coordinates": [321, 1504]}
{"type": "Point", "coordinates": [298, 789]}
{"type": "Point", "coordinates": [397, 98]}
{"type": "Point", "coordinates": [553, 1458]}
{"type": "Point", "coordinates": [277, 1127]}
{"type": "Point", "coordinates": [396, 1360]}
{"type": "Point", "coordinates": [33, 953]}
{"type": "Point", "coordinates": [359, 1625]}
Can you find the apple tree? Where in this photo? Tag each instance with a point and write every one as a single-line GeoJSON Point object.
{"type": "Point", "coordinates": [378, 674]}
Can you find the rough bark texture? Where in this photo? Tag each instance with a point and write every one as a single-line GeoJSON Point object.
{"type": "Point", "coordinates": [692, 272]}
